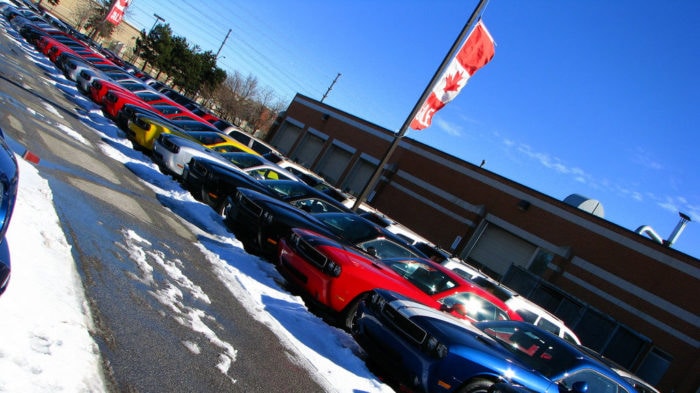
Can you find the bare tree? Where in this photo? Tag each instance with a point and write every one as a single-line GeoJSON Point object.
{"type": "Point", "coordinates": [263, 110]}
{"type": "Point", "coordinates": [81, 13]}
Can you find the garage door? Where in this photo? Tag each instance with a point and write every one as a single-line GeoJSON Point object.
{"type": "Point", "coordinates": [333, 164]}
{"type": "Point", "coordinates": [497, 249]}
{"type": "Point", "coordinates": [308, 150]}
{"type": "Point", "coordinates": [285, 138]}
{"type": "Point", "coordinates": [359, 176]}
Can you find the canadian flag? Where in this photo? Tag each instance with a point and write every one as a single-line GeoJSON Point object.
{"type": "Point", "coordinates": [116, 13]}
{"type": "Point", "coordinates": [476, 51]}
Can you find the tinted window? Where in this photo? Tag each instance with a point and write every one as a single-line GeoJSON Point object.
{"type": "Point", "coordinates": [533, 349]}
{"type": "Point", "coordinates": [240, 137]}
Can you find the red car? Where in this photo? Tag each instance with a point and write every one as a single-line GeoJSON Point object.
{"type": "Point", "coordinates": [115, 100]}
{"type": "Point", "coordinates": [337, 277]}
{"type": "Point", "coordinates": [99, 87]}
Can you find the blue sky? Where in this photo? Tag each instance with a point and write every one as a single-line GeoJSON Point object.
{"type": "Point", "coordinates": [598, 98]}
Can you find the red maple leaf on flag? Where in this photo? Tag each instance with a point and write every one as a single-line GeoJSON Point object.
{"type": "Point", "coordinates": [452, 82]}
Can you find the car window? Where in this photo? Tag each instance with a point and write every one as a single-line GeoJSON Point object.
{"type": "Point", "coordinates": [548, 325]}
{"type": "Point", "coordinates": [470, 304]}
{"type": "Point", "coordinates": [240, 137]}
{"type": "Point", "coordinates": [315, 205]}
{"type": "Point", "coordinates": [228, 149]}
{"type": "Point", "coordinates": [427, 278]}
{"type": "Point", "coordinates": [266, 173]}
{"type": "Point", "coordinates": [532, 348]}
{"type": "Point", "coordinates": [167, 109]}
{"type": "Point", "coordinates": [260, 148]}
{"type": "Point", "coordinates": [568, 337]}
{"type": "Point", "coordinates": [385, 248]}
{"type": "Point", "coordinates": [527, 315]}
{"type": "Point", "coordinates": [208, 138]}
{"type": "Point", "coordinates": [243, 160]}
{"type": "Point", "coordinates": [148, 96]}
{"type": "Point", "coordinates": [597, 382]}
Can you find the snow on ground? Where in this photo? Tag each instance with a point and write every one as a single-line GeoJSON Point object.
{"type": "Point", "coordinates": [46, 345]}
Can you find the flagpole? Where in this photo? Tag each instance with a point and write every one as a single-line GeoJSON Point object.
{"type": "Point", "coordinates": [404, 128]}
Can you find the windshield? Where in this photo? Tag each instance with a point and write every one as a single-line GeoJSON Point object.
{"type": "Point", "coordinates": [471, 305]}
{"type": "Point", "coordinates": [538, 351]}
{"type": "Point", "coordinates": [349, 227]}
{"type": "Point", "coordinates": [426, 277]}
{"type": "Point", "coordinates": [243, 160]}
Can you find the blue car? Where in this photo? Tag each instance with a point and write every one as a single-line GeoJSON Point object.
{"type": "Point", "coordinates": [9, 176]}
{"type": "Point", "coordinates": [425, 350]}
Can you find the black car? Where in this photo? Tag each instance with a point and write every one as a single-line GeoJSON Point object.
{"type": "Point", "coordinates": [212, 179]}
{"type": "Point", "coordinates": [9, 177]}
{"type": "Point", "coordinates": [260, 220]}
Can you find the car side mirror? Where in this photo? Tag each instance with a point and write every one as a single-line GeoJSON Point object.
{"type": "Point", "coordinates": [579, 387]}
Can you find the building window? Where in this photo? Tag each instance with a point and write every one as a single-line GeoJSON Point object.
{"type": "Point", "coordinates": [595, 329]}
{"type": "Point", "coordinates": [654, 366]}
{"type": "Point", "coordinates": [625, 347]}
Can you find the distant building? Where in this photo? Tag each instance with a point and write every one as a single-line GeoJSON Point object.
{"type": "Point", "coordinates": [122, 41]}
{"type": "Point", "coordinates": [624, 294]}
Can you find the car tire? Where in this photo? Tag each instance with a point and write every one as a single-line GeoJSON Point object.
{"type": "Point", "coordinates": [348, 315]}
{"type": "Point", "coordinates": [224, 207]}
{"type": "Point", "coordinates": [476, 386]}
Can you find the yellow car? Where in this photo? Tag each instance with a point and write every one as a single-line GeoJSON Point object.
{"type": "Point", "coordinates": [143, 128]}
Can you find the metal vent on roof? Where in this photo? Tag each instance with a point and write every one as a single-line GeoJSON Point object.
{"type": "Point", "coordinates": [586, 204]}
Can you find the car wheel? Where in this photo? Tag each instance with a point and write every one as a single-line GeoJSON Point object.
{"type": "Point", "coordinates": [225, 207]}
{"type": "Point", "coordinates": [348, 315]}
{"type": "Point", "coordinates": [476, 386]}
{"type": "Point", "coordinates": [204, 195]}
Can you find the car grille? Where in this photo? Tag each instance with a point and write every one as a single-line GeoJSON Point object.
{"type": "Point", "coordinates": [249, 206]}
{"type": "Point", "coordinates": [404, 325]}
{"type": "Point", "coordinates": [168, 144]}
{"type": "Point", "coordinates": [199, 169]}
{"type": "Point", "coordinates": [306, 250]}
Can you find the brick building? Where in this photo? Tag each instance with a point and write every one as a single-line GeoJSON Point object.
{"type": "Point", "coordinates": [625, 295]}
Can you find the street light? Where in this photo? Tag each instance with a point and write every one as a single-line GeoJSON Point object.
{"type": "Point", "coordinates": [158, 18]}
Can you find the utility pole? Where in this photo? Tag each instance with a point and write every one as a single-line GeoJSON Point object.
{"type": "Point", "coordinates": [330, 87]}
{"type": "Point", "coordinates": [222, 44]}
{"type": "Point", "coordinates": [158, 18]}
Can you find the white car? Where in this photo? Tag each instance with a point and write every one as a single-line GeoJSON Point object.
{"type": "Point", "coordinates": [251, 141]}
{"type": "Point", "coordinates": [172, 152]}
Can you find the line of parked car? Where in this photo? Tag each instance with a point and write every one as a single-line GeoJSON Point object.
{"type": "Point", "coordinates": [426, 320]}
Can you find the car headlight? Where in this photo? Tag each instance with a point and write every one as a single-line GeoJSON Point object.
{"type": "Point", "coordinates": [435, 348]}
{"type": "Point", "coordinates": [267, 218]}
{"type": "Point", "coordinates": [376, 301]}
{"type": "Point", "coordinates": [332, 269]}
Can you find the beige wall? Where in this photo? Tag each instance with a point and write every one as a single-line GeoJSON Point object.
{"type": "Point", "coordinates": [122, 40]}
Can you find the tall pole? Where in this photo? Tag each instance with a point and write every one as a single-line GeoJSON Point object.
{"type": "Point", "coordinates": [330, 87]}
{"type": "Point", "coordinates": [158, 18]}
{"type": "Point", "coordinates": [400, 134]}
{"type": "Point", "coordinates": [222, 44]}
